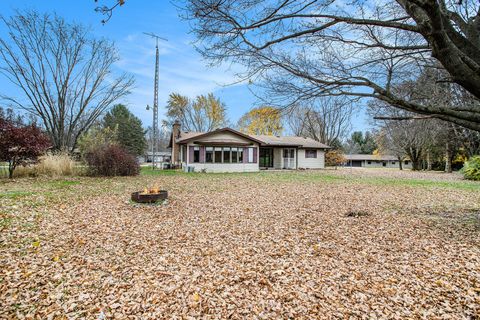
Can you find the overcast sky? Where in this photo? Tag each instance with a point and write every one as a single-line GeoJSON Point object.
{"type": "Point", "coordinates": [182, 69]}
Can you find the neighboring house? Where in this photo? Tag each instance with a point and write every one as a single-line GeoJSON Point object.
{"type": "Point", "coordinates": [160, 156]}
{"type": "Point", "coordinates": [228, 150]}
{"type": "Point", "coordinates": [375, 161]}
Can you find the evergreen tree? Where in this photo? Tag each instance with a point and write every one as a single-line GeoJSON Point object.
{"type": "Point", "coordinates": [360, 143]}
{"type": "Point", "coordinates": [130, 133]}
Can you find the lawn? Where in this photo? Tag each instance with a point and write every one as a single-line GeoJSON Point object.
{"type": "Point", "coordinates": [313, 244]}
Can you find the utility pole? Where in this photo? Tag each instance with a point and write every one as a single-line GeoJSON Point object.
{"type": "Point", "coordinates": [155, 99]}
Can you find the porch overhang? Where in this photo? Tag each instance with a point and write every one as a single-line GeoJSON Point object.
{"type": "Point", "coordinates": [223, 143]}
{"type": "Point", "coordinates": [280, 146]}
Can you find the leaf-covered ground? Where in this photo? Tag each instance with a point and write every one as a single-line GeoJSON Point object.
{"type": "Point", "coordinates": [319, 244]}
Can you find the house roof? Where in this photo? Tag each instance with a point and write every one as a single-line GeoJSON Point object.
{"type": "Point", "coordinates": [374, 157]}
{"type": "Point", "coordinates": [189, 136]}
{"type": "Point", "coordinates": [292, 141]}
{"type": "Point", "coordinates": [264, 140]}
{"type": "Point", "coordinates": [185, 135]}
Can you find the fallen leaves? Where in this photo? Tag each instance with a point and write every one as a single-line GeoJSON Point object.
{"type": "Point", "coordinates": [276, 245]}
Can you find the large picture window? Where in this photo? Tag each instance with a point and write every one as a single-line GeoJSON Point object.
{"type": "Point", "coordinates": [196, 154]}
{"type": "Point", "coordinates": [222, 154]}
{"type": "Point", "coordinates": [234, 155]}
{"type": "Point", "coordinates": [218, 155]}
{"type": "Point", "coordinates": [312, 153]}
{"type": "Point", "coordinates": [250, 155]}
{"type": "Point", "coordinates": [209, 154]}
{"type": "Point", "coordinates": [226, 155]}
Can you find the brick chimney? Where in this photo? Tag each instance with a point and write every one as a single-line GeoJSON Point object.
{"type": "Point", "coordinates": [175, 145]}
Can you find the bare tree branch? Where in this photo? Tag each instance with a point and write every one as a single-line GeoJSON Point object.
{"type": "Point", "coordinates": [64, 75]}
{"type": "Point", "coordinates": [305, 49]}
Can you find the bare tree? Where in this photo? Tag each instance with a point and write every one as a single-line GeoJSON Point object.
{"type": "Point", "coordinates": [411, 136]}
{"type": "Point", "coordinates": [327, 120]}
{"type": "Point", "coordinates": [469, 140]}
{"type": "Point", "coordinates": [387, 143]}
{"type": "Point", "coordinates": [63, 74]}
{"type": "Point", "coordinates": [306, 49]}
{"type": "Point", "coordinates": [445, 139]}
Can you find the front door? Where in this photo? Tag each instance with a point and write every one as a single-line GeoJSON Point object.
{"type": "Point", "coordinates": [266, 158]}
{"type": "Point", "coordinates": [288, 158]}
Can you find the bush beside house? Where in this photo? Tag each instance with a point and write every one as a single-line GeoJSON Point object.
{"type": "Point", "coordinates": [471, 169]}
{"type": "Point", "coordinates": [334, 158]}
{"type": "Point", "coordinates": [112, 160]}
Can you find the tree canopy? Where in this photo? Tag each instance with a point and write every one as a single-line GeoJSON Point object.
{"type": "Point", "coordinates": [21, 144]}
{"type": "Point", "coordinates": [128, 128]}
{"type": "Point", "coordinates": [204, 113]}
{"type": "Point", "coordinates": [63, 73]}
{"type": "Point", "coordinates": [361, 143]}
{"type": "Point", "coordinates": [327, 120]}
{"type": "Point", "coordinates": [262, 121]}
{"type": "Point", "coordinates": [301, 49]}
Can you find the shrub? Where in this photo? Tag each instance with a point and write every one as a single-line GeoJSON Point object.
{"type": "Point", "coordinates": [334, 158]}
{"type": "Point", "coordinates": [112, 160]}
{"type": "Point", "coordinates": [471, 169]}
{"type": "Point", "coordinates": [96, 137]}
{"type": "Point", "coordinates": [21, 145]}
{"type": "Point", "coordinates": [55, 165]}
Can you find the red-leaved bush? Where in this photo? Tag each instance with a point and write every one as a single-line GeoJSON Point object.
{"type": "Point", "coordinates": [21, 145]}
{"type": "Point", "coordinates": [112, 160]}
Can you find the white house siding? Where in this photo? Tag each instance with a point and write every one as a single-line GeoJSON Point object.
{"type": "Point", "coordinates": [311, 163]}
{"type": "Point", "coordinates": [225, 167]}
{"type": "Point", "coordinates": [388, 164]}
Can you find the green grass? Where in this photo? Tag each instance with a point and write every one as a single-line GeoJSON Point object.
{"type": "Point", "coordinates": [62, 183]}
{"type": "Point", "coordinates": [149, 171]}
{"type": "Point", "coordinates": [15, 194]}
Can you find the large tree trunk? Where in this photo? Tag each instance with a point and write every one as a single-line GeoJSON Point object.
{"type": "Point", "coordinates": [448, 158]}
{"type": "Point", "coordinates": [11, 168]}
{"type": "Point", "coordinates": [400, 164]}
{"type": "Point", "coordinates": [429, 161]}
{"type": "Point", "coordinates": [417, 164]}
{"type": "Point", "coordinates": [415, 156]}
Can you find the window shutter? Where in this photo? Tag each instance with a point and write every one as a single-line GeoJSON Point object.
{"type": "Point", "coordinates": [202, 154]}
{"type": "Point", "coordinates": [245, 155]}
{"type": "Point", "coordinates": [254, 155]}
{"type": "Point", "coordinates": [190, 154]}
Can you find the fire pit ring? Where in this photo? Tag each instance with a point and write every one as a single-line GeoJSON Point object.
{"type": "Point", "coordinates": [149, 197]}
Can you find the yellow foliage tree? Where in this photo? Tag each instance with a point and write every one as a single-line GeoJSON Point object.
{"type": "Point", "coordinates": [334, 158]}
{"type": "Point", "coordinates": [262, 121]}
{"type": "Point", "coordinates": [204, 113]}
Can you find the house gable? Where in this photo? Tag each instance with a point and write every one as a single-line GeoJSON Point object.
{"type": "Point", "coordinates": [221, 136]}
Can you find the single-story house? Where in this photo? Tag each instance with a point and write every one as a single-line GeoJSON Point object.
{"type": "Point", "coordinates": [160, 156]}
{"type": "Point", "coordinates": [375, 161]}
{"type": "Point", "coordinates": [228, 150]}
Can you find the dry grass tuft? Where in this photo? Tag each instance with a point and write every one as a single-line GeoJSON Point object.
{"type": "Point", "coordinates": [50, 165]}
{"type": "Point", "coordinates": [55, 165]}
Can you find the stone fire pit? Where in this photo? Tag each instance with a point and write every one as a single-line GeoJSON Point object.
{"type": "Point", "coordinates": [150, 197]}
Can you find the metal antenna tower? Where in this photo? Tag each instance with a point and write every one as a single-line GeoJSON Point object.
{"type": "Point", "coordinates": [155, 99]}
